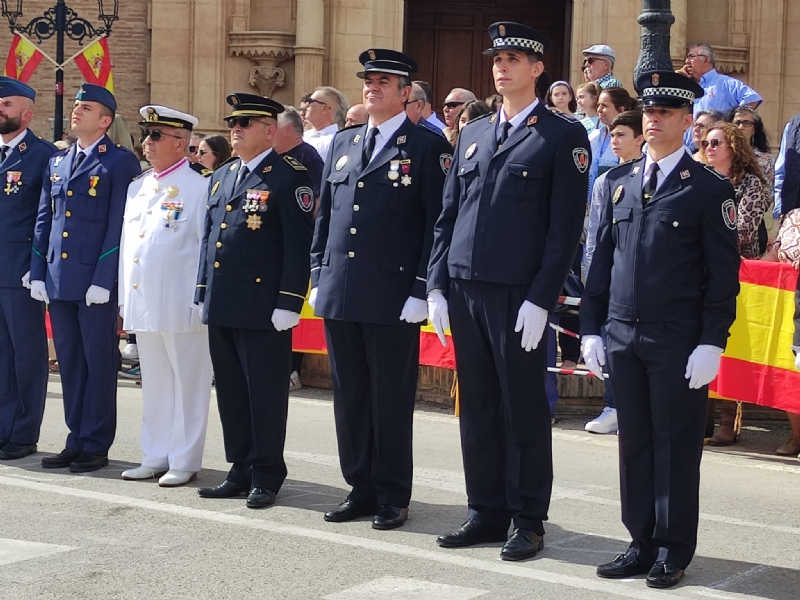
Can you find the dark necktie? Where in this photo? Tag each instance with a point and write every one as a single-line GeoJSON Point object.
{"type": "Point", "coordinates": [651, 183]}
{"type": "Point", "coordinates": [4, 152]}
{"type": "Point", "coordinates": [369, 147]}
{"type": "Point", "coordinates": [504, 129]}
{"type": "Point", "coordinates": [78, 161]}
{"type": "Point", "coordinates": [240, 176]}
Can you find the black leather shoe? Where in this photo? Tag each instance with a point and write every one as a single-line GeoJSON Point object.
{"type": "Point", "coordinates": [88, 462]}
{"type": "Point", "coordinates": [390, 517]}
{"type": "Point", "coordinates": [226, 489]}
{"type": "Point", "coordinates": [350, 510]}
{"type": "Point", "coordinates": [522, 544]}
{"type": "Point", "coordinates": [664, 575]}
{"type": "Point", "coordinates": [61, 460]}
{"type": "Point", "coordinates": [473, 532]}
{"type": "Point", "coordinates": [12, 451]}
{"type": "Point", "coordinates": [624, 565]}
{"type": "Point", "coordinates": [260, 498]}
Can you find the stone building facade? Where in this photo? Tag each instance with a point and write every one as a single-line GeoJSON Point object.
{"type": "Point", "coordinates": [190, 53]}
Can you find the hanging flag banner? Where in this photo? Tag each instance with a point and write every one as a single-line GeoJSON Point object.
{"type": "Point", "coordinates": [23, 59]}
{"type": "Point", "coordinates": [94, 63]}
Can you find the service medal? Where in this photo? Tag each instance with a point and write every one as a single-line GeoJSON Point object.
{"type": "Point", "coordinates": [394, 170]}
{"type": "Point", "coordinates": [406, 180]}
{"type": "Point", "coordinates": [172, 191]}
{"type": "Point", "coordinates": [253, 222]}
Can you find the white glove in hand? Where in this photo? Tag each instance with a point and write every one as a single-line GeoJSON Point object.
{"type": "Point", "coordinates": [437, 314]}
{"type": "Point", "coordinates": [703, 365]}
{"type": "Point", "coordinates": [39, 292]}
{"type": "Point", "coordinates": [284, 319]}
{"type": "Point", "coordinates": [414, 310]}
{"type": "Point", "coordinates": [531, 321]}
{"type": "Point", "coordinates": [26, 280]}
{"type": "Point", "coordinates": [594, 355]}
{"type": "Point", "coordinates": [97, 295]}
{"type": "Point", "coordinates": [312, 298]}
{"type": "Point", "coordinates": [197, 315]}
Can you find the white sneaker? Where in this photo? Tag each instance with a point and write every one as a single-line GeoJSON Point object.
{"type": "Point", "coordinates": [174, 478]}
{"type": "Point", "coordinates": [142, 472]}
{"type": "Point", "coordinates": [130, 352]}
{"type": "Point", "coordinates": [294, 382]}
{"type": "Point", "coordinates": [605, 423]}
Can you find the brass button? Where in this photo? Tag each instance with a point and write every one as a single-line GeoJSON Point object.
{"type": "Point", "coordinates": [68, 214]}
{"type": "Point", "coordinates": [136, 286]}
{"type": "Point", "coordinates": [394, 184]}
{"type": "Point", "coordinates": [614, 221]}
{"type": "Point", "coordinates": [69, 193]}
{"type": "Point", "coordinates": [141, 235]}
{"type": "Point", "coordinates": [136, 260]}
{"type": "Point", "coordinates": [63, 255]}
{"type": "Point", "coordinates": [228, 207]}
{"type": "Point", "coordinates": [361, 184]}
{"type": "Point", "coordinates": [402, 269]}
{"type": "Point", "coordinates": [674, 223]}
{"type": "Point", "coordinates": [258, 279]}
{"type": "Point", "coordinates": [353, 230]}
{"type": "Point", "coordinates": [65, 234]}
{"type": "Point", "coordinates": [216, 265]}
{"type": "Point", "coordinates": [223, 226]}
{"type": "Point", "coordinates": [218, 244]}
{"type": "Point", "coordinates": [355, 207]}
{"type": "Point", "coordinates": [524, 173]}
{"type": "Point", "coordinates": [351, 254]}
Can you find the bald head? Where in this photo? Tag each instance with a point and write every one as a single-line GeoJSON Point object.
{"type": "Point", "coordinates": [415, 107]}
{"type": "Point", "coordinates": [357, 115]}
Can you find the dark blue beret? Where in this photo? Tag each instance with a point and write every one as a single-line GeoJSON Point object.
{"type": "Point", "coordinates": [96, 93]}
{"type": "Point", "coordinates": [12, 87]}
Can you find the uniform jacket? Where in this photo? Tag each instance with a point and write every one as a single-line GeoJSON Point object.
{"type": "Point", "coordinates": [19, 201]}
{"type": "Point", "coordinates": [76, 240]}
{"type": "Point", "coordinates": [374, 226]}
{"type": "Point", "coordinates": [163, 229]}
{"type": "Point", "coordinates": [675, 258]}
{"type": "Point", "coordinates": [514, 215]}
{"type": "Point", "coordinates": [254, 256]}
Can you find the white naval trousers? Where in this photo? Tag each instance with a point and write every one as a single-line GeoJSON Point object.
{"type": "Point", "coordinates": [176, 391]}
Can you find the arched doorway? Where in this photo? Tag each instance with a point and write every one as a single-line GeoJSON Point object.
{"type": "Point", "coordinates": [446, 38]}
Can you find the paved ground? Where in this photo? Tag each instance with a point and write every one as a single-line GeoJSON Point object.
{"type": "Point", "coordinates": [95, 536]}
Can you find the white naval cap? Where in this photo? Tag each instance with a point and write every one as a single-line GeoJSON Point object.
{"type": "Point", "coordinates": [161, 115]}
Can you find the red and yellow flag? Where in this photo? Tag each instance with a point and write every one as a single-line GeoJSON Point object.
{"type": "Point", "coordinates": [23, 58]}
{"type": "Point", "coordinates": [94, 64]}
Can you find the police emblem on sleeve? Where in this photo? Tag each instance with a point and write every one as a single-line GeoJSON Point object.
{"type": "Point", "coordinates": [581, 158]}
{"type": "Point", "coordinates": [444, 162]}
{"type": "Point", "coordinates": [729, 214]}
{"type": "Point", "coordinates": [305, 198]}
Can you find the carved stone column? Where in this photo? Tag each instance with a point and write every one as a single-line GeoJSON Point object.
{"type": "Point", "coordinates": [309, 49]}
{"type": "Point", "coordinates": [655, 20]}
{"type": "Point", "coordinates": [679, 32]}
{"type": "Point", "coordinates": [266, 48]}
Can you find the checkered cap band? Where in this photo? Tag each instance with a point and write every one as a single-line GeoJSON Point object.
{"type": "Point", "coordinates": [532, 45]}
{"type": "Point", "coordinates": [668, 91]}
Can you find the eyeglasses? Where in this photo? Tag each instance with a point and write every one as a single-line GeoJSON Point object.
{"type": "Point", "coordinates": [744, 123]}
{"type": "Point", "coordinates": [452, 105]}
{"type": "Point", "coordinates": [700, 126]}
{"type": "Point", "coordinates": [693, 56]}
{"type": "Point", "coordinates": [243, 122]}
{"type": "Point", "coordinates": [715, 143]}
{"type": "Point", "coordinates": [155, 135]}
{"type": "Point", "coordinates": [315, 101]}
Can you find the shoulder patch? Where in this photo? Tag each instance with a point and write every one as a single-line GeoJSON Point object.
{"type": "Point", "coordinates": [729, 214]}
{"type": "Point", "coordinates": [142, 174]}
{"type": "Point", "coordinates": [711, 170]}
{"type": "Point", "coordinates": [305, 198]}
{"type": "Point", "coordinates": [294, 163]}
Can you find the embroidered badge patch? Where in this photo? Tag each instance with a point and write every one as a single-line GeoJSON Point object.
{"type": "Point", "coordinates": [444, 162]}
{"type": "Point", "coordinates": [729, 214]}
{"type": "Point", "coordinates": [685, 174]}
{"type": "Point", "coordinates": [341, 162]}
{"type": "Point", "coordinates": [581, 158]}
{"type": "Point", "coordinates": [471, 151]}
{"type": "Point", "coordinates": [305, 198]}
{"type": "Point", "coordinates": [619, 193]}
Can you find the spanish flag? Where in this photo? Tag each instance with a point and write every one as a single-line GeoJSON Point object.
{"type": "Point", "coordinates": [94, 64]}
{"type": "Point", "coordinates": [23, 58]}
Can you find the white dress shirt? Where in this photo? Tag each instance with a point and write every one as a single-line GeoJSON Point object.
{"type": "Point", "coordinates": [386, 131]}
{"type": "Point", "coordinates": [322, 139]}
{"type": "Point", "coordinates": [665, 166]}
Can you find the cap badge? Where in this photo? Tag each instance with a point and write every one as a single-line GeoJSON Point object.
{"type": "Point", "coordinates": [371, 54]}
{"type": "Point", "coordinates": [654, 79]}
{"type": "Point", "coordinates": [502, 30]}
{"type": "Point", "coordinates": [152, 115]}
{"type": "Point", "coordinates": [235, 101]}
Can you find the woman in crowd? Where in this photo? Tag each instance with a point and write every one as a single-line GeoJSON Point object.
{"type": "Point", "coordinates": [561, 98]}
{"type": "Point", "coordinates": [725, 148]}
{"type": "Point", "coordinates": [212, 151]}
{"type": "Point", "coordinates": [611, 102]}
{"type": "Point", "coordinates": [471, 109]}
{"type": "Point", "coordinates": [702, 121]}
{"type": "Point", "coordinates": [494, 102]}
{"type": "Point", "coordinates": [586, 96]}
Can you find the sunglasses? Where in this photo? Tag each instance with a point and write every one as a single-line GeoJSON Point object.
{"type": "Point", "coordinates": [192, 149]}
{"type": "Point", "coordinates": [202, 152]}
{"type": "Point", "coordinates": [591, 61]}
{"type": "Point", "coordinates": [243, 122]}
{"type": "Point", "coordinates": [712, 143]}
{"type": "Point", "coordinates": [744, 123]}
{"type": "Point", "coordinates": [452, 105]}
{"type": "Point", "coordinates": [155, 135]}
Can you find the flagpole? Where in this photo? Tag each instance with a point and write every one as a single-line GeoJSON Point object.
{"type": "Point", "coordinates": [79, 52]}
{"type": "Point", "coordinates": [61, 26]}
{"type": "Point", "coordinates": [42, 52]}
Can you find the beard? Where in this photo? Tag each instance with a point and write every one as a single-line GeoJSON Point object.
{"type": "Point", "coordinates": [10, 124]}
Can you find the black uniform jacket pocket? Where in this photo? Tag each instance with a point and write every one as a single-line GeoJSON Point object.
{"type": "Point", "coordinates": [677, 232]}
{"type": "Point", "coordinates": [524, 182]}
{"type": "Point", "coordinates": [620, 226]}
{"type": "Point", "coordinates": [338, 181]}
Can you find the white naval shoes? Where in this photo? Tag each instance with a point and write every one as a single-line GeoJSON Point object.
{"type": "Point", "coordinates": [130, 353]}
{"type": "Point", "coordinates": [606, 422]}
{"type": "Point", "coordinates": [294, 382]}
{"type": "Point", "coordinates": [174, 478]}
{"type": "Point", "coordinates": [141, 472]}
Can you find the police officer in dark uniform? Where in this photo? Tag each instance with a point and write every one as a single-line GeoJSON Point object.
{"type": "Point", "coordinates": [74, 267]}
{"type": "Point", "coordinates": [252, 282]}
{"type": "Point", "coordinates": [23, 341]}
{"type": "Point", "coordinates": [664, 281]}
{"type": "Point", "coordinates": [381, 195]}
{"type": "Point", "coordinates": [513, 211]}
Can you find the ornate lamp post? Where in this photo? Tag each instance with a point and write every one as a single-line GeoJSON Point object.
{"type": "Point", "coordinates": [60, 20]}
{"type": "Point", "coordinates": [656, 19]}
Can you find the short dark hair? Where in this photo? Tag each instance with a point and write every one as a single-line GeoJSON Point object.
{"type": "Point", "coordinates": [629, 118]}
{"type": "Point", "coordinates": [474, 109]}
{"type": "Point", "coordinates": [305, 98]}
{"type": "Point", "coordinates": [427, 89]}
{"type": "Point", "coordinates": [403, 81]}
{"type": "Point", "coordinates": [107, 112]}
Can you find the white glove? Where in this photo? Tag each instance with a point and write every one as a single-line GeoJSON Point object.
{"type": "Point", "coordinates": [26, 280]}
{"type": "Point", "coordinates": [284, 319]}
{"type": "Point", "coordinates": [531, 321]}
{"type": "Point", "coordinates": [703, 365]}
{"type": "Point", "coordinates": [312, 298]}
{"type": "Point", "coordinates": [197, 315]}
{"type": "Point", "coordinates": [797, 361]}
{"type": "Point", "coordinates": [437, 314]}
{"type": "Point", "coordinates": [594, 355]}
{"type": "Point", "coordinates": [39, 291]}
{"type": "Point", "coordinates": [97, 295]}
{"type": "Point", "coordinates": [414, 310]}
